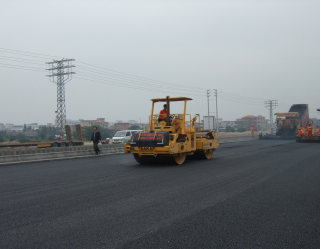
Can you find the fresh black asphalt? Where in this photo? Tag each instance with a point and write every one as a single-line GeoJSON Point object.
{"type": "Point", "coordinates": [257, 194]}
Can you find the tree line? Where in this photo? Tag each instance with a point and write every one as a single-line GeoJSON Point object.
{"type": "Point", "coordinates": [44, 133]}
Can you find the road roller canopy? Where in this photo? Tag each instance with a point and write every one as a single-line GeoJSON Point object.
{"type": "Point", "coordinates": [171, 99]}
{"type": "Point", "coordinates": [287, 114]}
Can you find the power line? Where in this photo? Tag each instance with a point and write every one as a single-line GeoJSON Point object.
{"type": "Point", "coordinates": [241, 98]}
{"type": "Point", "coordinates": [141, 81]}
{"type": "Point", "coordinates": [37, 63]}
{"type": "Point", "coordinates": [6, 64]}
{"type": "Point", "coordinates": [238, 101]}
{"type": "Point", "coordinates": [22, 59]}
{"type": "Point", "coordinates": [131, 86]}
{"type": "Point", "coordinates": [221, 92]}
{"type": "Point", "coordinates": [26, 55]}
{"type": "Point", "coordinates": [23, 69]}
{"type": "Point", "coordinates": [137, 76]}
{"type": "Point", "coordinates": [23, 53]}
{"type": "Point", "coordinates": [28, 52]}
{"type": "Point", "coordinates": [121, 82]}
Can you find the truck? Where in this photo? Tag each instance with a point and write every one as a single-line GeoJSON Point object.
{"type": "Point", "coordinates": [58, 143]}
{"type": "Point", "coordinates": [173, 139]}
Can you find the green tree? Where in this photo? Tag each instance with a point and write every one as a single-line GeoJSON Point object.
{"type": "Point", "coordinates": [87, 131]}
{"type": "Point", "coordinates": [134, 127]}
{"type": "Point", "coordinates": [22, 138]}
{"type": "Point", "coordinates": [229, 129]}
{"type": "Point", "coordinates": [3, 136]}
{"type": "Point", "coordinates": [105, 133]}
{"type": "Point", "coordinates": [74, 135]}
{"type": "Point", "coordinates": [11, 137]}
{"type": "Point", "coordinates": [241, 129]}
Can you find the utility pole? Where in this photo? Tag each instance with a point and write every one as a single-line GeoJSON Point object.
{"type": "Point", "coordinates": [271, 104]}
{"type": "Point", "coordinates": [217, 128]}
{"type": "Point", "coordinates": [208, 107]}
{"type": "Point", "coordinates": [57, 72]}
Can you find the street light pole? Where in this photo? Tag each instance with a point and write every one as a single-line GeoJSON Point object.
{"type": "Point", "coordinates": [217, 128]}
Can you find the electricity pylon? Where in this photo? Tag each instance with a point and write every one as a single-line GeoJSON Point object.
{"type": "Point", "coordinates": [58, 70]}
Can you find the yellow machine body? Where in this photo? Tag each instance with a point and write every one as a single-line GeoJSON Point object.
{"type": "Point", "coordinates": [173, 139]}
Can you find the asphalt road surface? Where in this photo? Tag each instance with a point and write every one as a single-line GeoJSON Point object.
{"type": "Point", "coordinates": [257, 194]}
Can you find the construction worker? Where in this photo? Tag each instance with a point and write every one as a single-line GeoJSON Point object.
{"type": "Point", "coordinates": [309, 129]}
{"type": "Point", "coordinates": [163, 114]}
{"type": "Point", "coordinates": [317, 132]}
{"type": "Point", "coordinates": [252, 130]}
{"type": "Point", "coordinates": [300, 132]}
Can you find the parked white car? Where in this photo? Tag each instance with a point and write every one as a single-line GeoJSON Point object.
{"type": "Point", "coordinates": [122, 137]}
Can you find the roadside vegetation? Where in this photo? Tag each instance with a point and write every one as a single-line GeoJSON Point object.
{"type": "Point", "coordinates": [44, 133]}
{"type": "Point", "coordinates": [104, 132]}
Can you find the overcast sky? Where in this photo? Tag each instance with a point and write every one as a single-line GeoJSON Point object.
{"type": "Point", "coordinates": [250, 51]}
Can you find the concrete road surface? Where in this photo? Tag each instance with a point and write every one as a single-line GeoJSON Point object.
{"type": "Point", "coordinates": [258, 194]}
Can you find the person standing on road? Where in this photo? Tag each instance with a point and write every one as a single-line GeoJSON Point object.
{"type": "Point", "coordinates": [96, 138]}
{"type": "Point", "coordinates": [309, 129]}
{"type": "Point", "coordinates": [252, 130]}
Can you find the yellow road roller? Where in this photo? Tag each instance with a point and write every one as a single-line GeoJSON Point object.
{"type": "Point", "coordinates": [172, 137]}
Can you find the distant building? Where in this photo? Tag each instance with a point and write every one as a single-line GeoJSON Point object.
{"type": "Point", "coordinates": [121, 126]}
{"type": "Point", "coordinates": [99, 121]}
{"type": "Point", "coordinates": [17, 128]}
{"type": "Point", "coordinates": [259, 122]}
{"type": "Point", "coordinates": [143, 126]}
{"type": "Point", "coordinates": [33, 126]}
{"type": "Point", "coordinates": [132, 121]}
{"type": "Point", "coordinates": [228, 123]}
{"type": "Point", "coordinates": [72, 122]}
{"type": "Point", "coordinates": [241, 124]}
{"type": "Point", "coordinates": [8, 127]}
{"type": "Point", "coordinates": [30, 133]}
{"type": "Point", "coordinates": [1, 127]}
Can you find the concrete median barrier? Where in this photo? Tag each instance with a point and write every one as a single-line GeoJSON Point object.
{"type": "Point", "coordinates": [47, 154]}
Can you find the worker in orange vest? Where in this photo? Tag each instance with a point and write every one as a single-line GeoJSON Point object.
{"type": "Point", "coordinates": [252, 130]}
{"type": "Point", "coordinates": [317, 132]}
{"type": "Point", "coordinates": [309, 129]}
{"type": "Point", "coordinates": [163, 114]}
{"type": "Point", "coordinates": [300, 132]}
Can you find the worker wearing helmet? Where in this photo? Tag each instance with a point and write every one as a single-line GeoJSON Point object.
{"type": "Point", "coordinates": [252, 130]}
{"type": "Point", "coordinates": [317, 132]}
{"type": "Point", "coordinates": [309, 129]}
{"type": "Point", "coordinates": [300, 132]}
